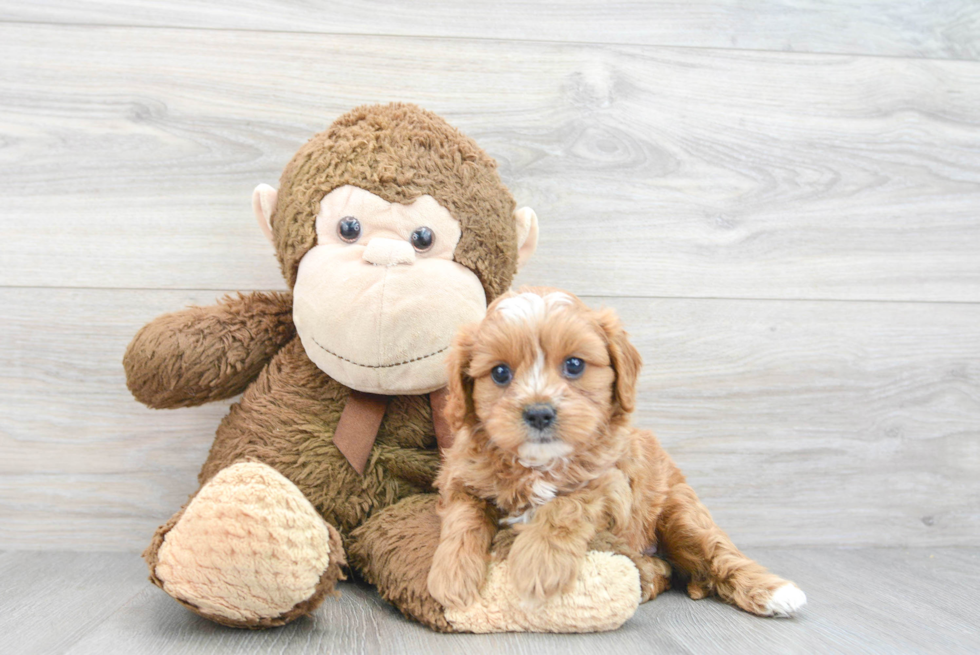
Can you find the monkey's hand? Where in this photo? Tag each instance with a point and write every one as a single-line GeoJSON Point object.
{"type": "Point", "coordinates": [202, 354]}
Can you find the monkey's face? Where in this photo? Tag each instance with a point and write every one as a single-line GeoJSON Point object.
{"type": "Point", "coordinates": [377, 301]}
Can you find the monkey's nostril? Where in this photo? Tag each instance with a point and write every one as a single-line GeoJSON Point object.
{"type": "Point", "coordinates": [539, 416]}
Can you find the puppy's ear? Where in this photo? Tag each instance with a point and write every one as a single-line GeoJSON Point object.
{"type": "Point", "coordinates": [626, 360]}
{"type": "Point", "coordinates": [459, 402]}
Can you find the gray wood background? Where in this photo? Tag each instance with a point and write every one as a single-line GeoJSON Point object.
{"type": "Point", "coordinates": [781, 198]}
{"type": "Point", "coordinates": [895, 601]}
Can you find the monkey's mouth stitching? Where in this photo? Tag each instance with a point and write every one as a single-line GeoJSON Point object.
{"type": "Point", "coordinates": [407, 361]}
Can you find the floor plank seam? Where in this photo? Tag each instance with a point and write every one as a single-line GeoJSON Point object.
{"type": "Point", "coordinates": [888, 301]}
{"type": "Point", "coordinates": [475, 39]}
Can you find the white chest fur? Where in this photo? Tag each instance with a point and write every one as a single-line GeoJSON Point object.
{"type": "Point", "coordinates": [541, 492]}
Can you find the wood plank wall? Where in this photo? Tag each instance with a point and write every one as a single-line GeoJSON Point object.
{"type": "Point", "coordinates": [781, 198]}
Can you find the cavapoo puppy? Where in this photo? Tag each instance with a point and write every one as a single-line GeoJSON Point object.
{"type": "Point", "coordinates": [540, 395]}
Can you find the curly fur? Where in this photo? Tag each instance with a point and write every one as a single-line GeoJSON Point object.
{"type": "Point", "coordinates": [589, 476]}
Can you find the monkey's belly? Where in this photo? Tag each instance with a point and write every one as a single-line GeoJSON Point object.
{"type": "Point", "coordinates": [287, 418]}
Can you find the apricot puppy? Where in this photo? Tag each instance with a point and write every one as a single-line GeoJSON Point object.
{"type": "Point", "coordinates": [540, 396]}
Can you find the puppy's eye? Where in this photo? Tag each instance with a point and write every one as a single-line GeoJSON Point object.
{"type": "Point", "coordinates": [349, 229]}
{"type": "Point", "coordinates": [501, 374]}
{"type": "Point", "coordinates": [573, 368]}
{"type": "Point", "coordinates": [422, 238]}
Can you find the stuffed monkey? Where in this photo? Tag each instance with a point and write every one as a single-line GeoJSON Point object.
{"type": "Point", "coordinates": [392, 230]}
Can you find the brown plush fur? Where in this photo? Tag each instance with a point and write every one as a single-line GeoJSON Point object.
{"type": "Point", "coordinates": [401, 152]}
{"type": "Point", "coordinates": [286, 420]}
{"type": "Point", "coordinates": [289, 409]}
{"type": "Point", "coordinates": [204, 354]}
{"type": "Point", "coordinates": [588, 473]}
{"type": "Point", "coordinates": [394, 550]}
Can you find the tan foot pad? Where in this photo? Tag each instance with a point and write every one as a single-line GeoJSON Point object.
{"type": "Point", "coordinates": [249, 547]}
{"type": "Point", "coordinates": [606, 594]}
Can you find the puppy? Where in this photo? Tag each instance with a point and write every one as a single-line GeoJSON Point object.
{"type": "Point", "coordinates": [540, 396]}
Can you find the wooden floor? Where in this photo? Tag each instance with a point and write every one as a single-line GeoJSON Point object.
{"type": "Point", "coordinates": [861, 601]}
{"type": "Point", "coordinates": [780, 197]}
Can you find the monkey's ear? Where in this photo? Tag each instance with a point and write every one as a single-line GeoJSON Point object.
{"type": "Point", "coordinates": [527, 234]}
{"type": "Point", "coordinates": [264, 205]}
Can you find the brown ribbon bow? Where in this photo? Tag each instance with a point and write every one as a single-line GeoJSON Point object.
{"type": "Point", "coordinates": [361, 418]}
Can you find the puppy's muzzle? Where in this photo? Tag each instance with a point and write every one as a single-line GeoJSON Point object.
{"type": "Point", "coordinates": [540, 416]}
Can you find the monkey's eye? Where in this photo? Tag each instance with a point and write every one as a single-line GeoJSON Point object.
{"type": "Point", "coordinates": [572, 368]}
{"type": "Point", "coordinates": [349, 228]}
{"type": "Point", "coordinates": [422, 238]}
{"type": "Point", "coordinates": [501, 374]}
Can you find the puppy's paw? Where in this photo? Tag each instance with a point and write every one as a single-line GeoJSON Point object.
{"type": "Point", "coordinates": [654, 572]}
{"type": "Point", "coordinates": [539, 569]}
{"type": "Point", "coordinates": [785, 601]}
{"type": "Point", "coordinates": [455, 579]}
{"type": "Point", "coordinates": [654, 576]}
{"type": "Point", "coordinates": [763, 594]}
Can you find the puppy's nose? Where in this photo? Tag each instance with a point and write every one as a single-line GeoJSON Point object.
{"type": "Point", "coordinates": [539, 416]}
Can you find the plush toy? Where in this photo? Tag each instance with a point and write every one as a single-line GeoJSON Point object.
{"type": "Point", "coordinates": [392, 229]}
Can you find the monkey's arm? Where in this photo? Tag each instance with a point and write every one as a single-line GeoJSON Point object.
{"type": "Point", "coordinates": [201, 354]}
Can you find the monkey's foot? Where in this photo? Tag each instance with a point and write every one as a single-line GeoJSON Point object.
{"type": "Point", "coordinates": [248, 551]}
{"type": "Point", "coordinates": [394, 549]}
{"type": "Point", "coordinates": [606, 594]}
